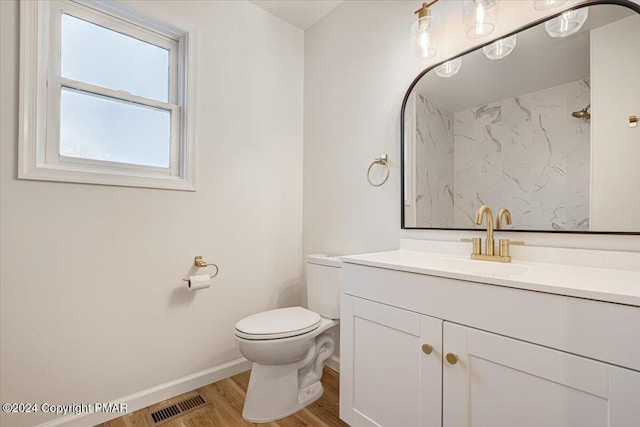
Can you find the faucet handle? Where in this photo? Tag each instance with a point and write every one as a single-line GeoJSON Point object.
{"type": "Point", "coordinates": [504, 246]}
{"type": "Point", "coordinates": [476, 244]}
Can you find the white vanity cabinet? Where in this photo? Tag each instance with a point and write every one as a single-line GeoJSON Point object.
{"type": "Point", "coordinates": [503, 382]}
{"type": "Point", "coordinates": [519, 359]}
{"type": "Point", "coordinates": [395, 358]}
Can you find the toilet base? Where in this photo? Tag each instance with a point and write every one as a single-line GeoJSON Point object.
{"type": "Point", "coordinates": [273, 393]}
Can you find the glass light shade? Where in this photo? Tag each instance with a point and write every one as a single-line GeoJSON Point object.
{"type": "Point", "coordinates": [568, 23]}
{"type": "Point", "coordinates": [547, 4]}
{"type": "Point", "coordinates": [500, 48]}
{"type": "Point", "coordinates": [424, 37]}
{"type": "Point", "coordinates": [449, 68]}
{"type": "Point", "coordinates": [479, 17]}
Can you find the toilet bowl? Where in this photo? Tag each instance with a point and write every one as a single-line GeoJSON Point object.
{"type": "Point", "coordinates": [289, 346]}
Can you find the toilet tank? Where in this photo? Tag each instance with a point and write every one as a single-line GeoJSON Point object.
{"type": "Point", "coordinates": [323, 285]}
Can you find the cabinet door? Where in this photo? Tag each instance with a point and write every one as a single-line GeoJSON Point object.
{"type": "Point", "coordinates": [386, 377]}
{"type": "Point", "coordinates": [502, 382]}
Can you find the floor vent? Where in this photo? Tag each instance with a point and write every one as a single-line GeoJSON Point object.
{"type": "Point", "coordinates": [176, 410]}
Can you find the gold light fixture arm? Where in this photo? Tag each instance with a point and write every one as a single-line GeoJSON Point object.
{"type": "Point", "coordinates": [424, 10]}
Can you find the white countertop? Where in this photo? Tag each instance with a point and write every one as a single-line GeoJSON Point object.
{"type": "Point", "coordinates": [602, 284]}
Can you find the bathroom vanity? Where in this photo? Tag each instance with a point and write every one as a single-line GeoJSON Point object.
{"type": "Point", "coordinates": [432, 338]}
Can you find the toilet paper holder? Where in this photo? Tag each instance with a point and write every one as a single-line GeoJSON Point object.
{"type": "Point", "coordinates": [199, 263]}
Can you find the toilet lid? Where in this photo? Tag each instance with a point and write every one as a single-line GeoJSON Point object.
{"type": "Point", "coordinates": [279, 323]}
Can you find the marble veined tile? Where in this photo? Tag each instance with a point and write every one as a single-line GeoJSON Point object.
{"type": "Point", "coordinates": [516, 151]}
{"type": "Point", "coordinates": [527, 154]}
{"type": "Point", "coordinates": [434, 164]}
{"type": "Point", "coordinates": [464, 169]}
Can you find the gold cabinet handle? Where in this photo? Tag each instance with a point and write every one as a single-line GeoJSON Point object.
{"type": "Point", "coordinates": [427, 349]}
{"type": "Point", "coordinates": [452, 358]}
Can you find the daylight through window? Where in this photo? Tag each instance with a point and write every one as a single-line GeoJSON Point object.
{"type": "Point", "coordinates": [113, 106]}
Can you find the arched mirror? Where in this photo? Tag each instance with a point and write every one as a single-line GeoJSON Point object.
{"type": "Point", "coordinates": [540, 122]}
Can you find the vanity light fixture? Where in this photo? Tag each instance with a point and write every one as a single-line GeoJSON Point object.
{"type": "Point", "coordinates": [568, 23]}
{"type": "Point", "coordinates": [501, 48]}
{"type": "Point", "coordinates": [449, 68]}
{"type": "Point", "coordinates": [424, 36]}
{"type": "Point", "coordinates": [424, 32]}
{"type": "Point", "coordinates": [547, 4]}
{"type": "Point", "coordinates": [479, 17]}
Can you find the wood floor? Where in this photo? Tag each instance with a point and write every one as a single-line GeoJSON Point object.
{"type": "Point", "coordinates": [224, 409]}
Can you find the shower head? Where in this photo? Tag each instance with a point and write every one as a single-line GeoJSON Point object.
{"type": "Point", "coordinates": [582, 114]}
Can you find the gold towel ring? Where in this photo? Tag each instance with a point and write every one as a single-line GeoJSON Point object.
{"type": "Point", "coordinates": [382, 160]}
{"type": "Point", "coordinates": [199, 263]}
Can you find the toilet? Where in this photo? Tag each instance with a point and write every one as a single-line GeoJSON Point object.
{"type": "Point", "coordinates": [289, 346]}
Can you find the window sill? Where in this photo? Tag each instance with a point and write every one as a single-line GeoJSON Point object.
{"type": "Point", "coordinates": [141, 179]}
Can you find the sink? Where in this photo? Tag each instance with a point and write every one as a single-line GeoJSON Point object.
{"type": "Point", "coordinates": [463, 264]}
{"type": "Point", "coordinates": [486, 268]}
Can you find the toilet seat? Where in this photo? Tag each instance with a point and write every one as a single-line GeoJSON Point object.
{"type": "Point", "coordinates": [277, 324]}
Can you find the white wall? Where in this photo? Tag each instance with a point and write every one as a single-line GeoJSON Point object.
{"type": "Point", "coordinates": [615, 60]}
{"type": "Point", "coordinates": [93, 306]}
{"type": "Point", "coordinates": [357, 69]}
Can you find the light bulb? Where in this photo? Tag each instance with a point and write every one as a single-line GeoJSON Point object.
{"type": "Point", "coordinates": [568, 23]}
{"type": "Point", "coordinates": [449, 68]}
{"type": "Point", "coordinates": [424, 37]}
{"type": "Point", "coordinates": [479, 17]}
{"type": "Point", "coordinates": [425, 40]}
{"type": "Point", "coordinates": [501, 48]}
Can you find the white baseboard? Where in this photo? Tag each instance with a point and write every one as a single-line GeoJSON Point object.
{"type": "Point", "coordinates": [156, 394]}
{"type": "Point", "coordinates": [334, 363]}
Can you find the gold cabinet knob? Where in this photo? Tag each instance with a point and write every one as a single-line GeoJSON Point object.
{"type": "Point", "coordinates": [427, 349]}
{"type": "Point", "coordinates": [452, 358]}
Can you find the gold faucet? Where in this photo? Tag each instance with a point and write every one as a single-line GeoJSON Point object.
{"type": "Point", "coordinates": [489, 255]}
{"type": "Point", "coordinates": [503, 212]}
{"type": "Point", "coordinates": [489, 244]}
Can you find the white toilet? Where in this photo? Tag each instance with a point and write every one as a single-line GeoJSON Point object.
{"type": "Point", "coordinates": [289, 346]}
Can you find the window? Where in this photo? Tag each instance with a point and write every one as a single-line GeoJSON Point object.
{"type": "Point", "coordinates": [106, 96]}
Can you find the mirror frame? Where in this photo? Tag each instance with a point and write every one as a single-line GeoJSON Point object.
{"type": "Point", "coordinates": [624, 3]}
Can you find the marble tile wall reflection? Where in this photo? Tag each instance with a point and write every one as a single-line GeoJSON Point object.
{"type": "Point", "coordinates": [528, 154]}
{"type": "Point", "coordinates": [525, 153]}
{"type": "Point", "coordinates": [434, 165]}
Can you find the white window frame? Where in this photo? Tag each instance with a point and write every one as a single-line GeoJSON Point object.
{"type": "Point", "coordinates": [41, 84]}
